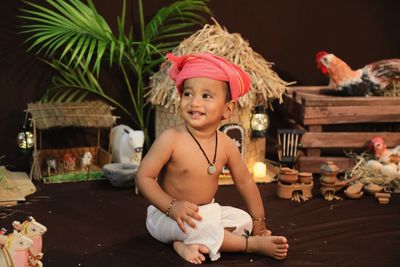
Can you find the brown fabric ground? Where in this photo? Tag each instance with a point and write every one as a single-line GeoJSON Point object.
{"type": "Point", "coordinates": [95, 224]}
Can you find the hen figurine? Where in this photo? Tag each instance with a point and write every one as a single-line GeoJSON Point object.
{"type": "Point", "coordinates": [372, 79]}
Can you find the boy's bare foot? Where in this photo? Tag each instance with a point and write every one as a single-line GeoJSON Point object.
{"type": "Point", "coordinates": [273, 246]}
{"type": "Point", "coordinates": [192, 253]}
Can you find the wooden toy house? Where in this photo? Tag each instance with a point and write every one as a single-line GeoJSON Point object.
{"type": "Point", "coordinates": [61, 165]}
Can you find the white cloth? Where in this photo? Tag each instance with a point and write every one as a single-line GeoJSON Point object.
{"type": "Point", "coordinates": [208, 232]}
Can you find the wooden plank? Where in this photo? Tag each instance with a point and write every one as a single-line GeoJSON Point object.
{"type": "Point", "coordinates": [322, 96]}
{"type": "Point", "coordinates": [294, 109]}
{"type": "Point", "coordinates": [353, 114]}
{"type": "Point", "coordinates": [346, 139]}
{"type": "Point", "coordinates": [313, 164]}
{"type": "Point", "coordinates": [309, 100]}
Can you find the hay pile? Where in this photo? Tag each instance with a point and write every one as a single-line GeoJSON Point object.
{"type": "Point", "coordinates": [393, 89]}
{"type": "Point", "coordinates": [367, 175]}
{"type": "Point", "coordinates": [265, 83]}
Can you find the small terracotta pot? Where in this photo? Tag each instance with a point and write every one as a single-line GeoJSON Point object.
{"type": "Point", "coordinates": [288, 177]}
{"type": "Point", "coordinates": [353, 195]}
{"type": "Point", "coordinates": [328, 179]}
{"type": "Point", "coordinates": [373, 188]}
{"type": "Point", "coordinates": [329, 169]}
{"type": "Point", "coordinates": [305, 177]}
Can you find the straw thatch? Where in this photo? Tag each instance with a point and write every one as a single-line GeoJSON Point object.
{"type": "Point", "coordinates": [84, 114]}
{"type": "Point", "coordinates": [367, 176]}
{"type": "Point", "coordinates": [265, 83]}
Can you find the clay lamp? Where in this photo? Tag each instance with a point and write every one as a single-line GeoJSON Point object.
{"type": "Point", "coordinates": [373, 188]}
{"type": "Point", "coordinates": [287, 175]}
{"type": "Point", "coordinates": [354, 190]}
{"type": "Point", "coordinates": [383, 198]}
{"type": "Point", "coordinates": [305, 177]}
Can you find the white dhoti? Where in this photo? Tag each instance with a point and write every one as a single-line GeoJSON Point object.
{"type": "Point", "coordinates": [208, 232]}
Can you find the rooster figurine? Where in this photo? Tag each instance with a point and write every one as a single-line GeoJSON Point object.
{"type": "Point", "coordinates": [372, 79]}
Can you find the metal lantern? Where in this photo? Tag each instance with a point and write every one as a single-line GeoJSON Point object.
{"type": "Point", "coordinates": [25, 138]}
{"type": "Point", "coordinates": [259, 122]}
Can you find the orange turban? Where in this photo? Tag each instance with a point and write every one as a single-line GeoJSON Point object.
{"type": "Point", "coordinates": [210, 66]}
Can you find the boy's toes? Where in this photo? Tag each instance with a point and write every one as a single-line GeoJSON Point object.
{"type": "Point", "coordinates": [281, 240]}
{"type": "Point", "coordinates": [204, 249]}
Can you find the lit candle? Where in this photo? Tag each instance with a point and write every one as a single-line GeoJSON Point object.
{"type": "Point", "coordinates": [259, 170]}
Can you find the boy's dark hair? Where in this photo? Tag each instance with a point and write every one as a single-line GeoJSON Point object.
{"type": "Point", "coordinates": [228, 93]}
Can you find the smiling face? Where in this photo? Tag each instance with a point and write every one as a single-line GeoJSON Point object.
{"type": "Point", "coordinates": [203, 102]}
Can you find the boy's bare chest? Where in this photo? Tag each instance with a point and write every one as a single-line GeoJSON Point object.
{"type": "Point", "coordinates": [189, 159]}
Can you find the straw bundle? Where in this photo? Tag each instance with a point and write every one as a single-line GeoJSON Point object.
{"type": "Point", "coordinates": [367, 175]}
{"type": "Point", "coordinates": [393, 89]}
{"type": "Point", "coordinates": [84, 114]}
{"type": "Point", "coordinates": [265, 83]}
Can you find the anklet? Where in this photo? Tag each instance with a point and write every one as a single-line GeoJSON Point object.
{"type": "Point", "coordinates": [246, 237]}
{"type": "Point", "coordinates": [170, 206]}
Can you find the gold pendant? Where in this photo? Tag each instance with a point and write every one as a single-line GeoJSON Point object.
{"type": "Point", "coordinates": [212, 169]}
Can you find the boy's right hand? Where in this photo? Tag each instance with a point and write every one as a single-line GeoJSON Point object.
{"type": "Point", "coordinates": [184, 211]}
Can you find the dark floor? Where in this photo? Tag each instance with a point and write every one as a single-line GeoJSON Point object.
{"type": "Point", "coordinates": [95, 224]}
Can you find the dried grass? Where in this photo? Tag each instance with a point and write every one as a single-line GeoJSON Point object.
{"type": "Point", "coordinates": [368, 176]}
{"type": "Point", "coordinates": [265, 83]}
{"type": "Point", "coordinates": [393, 89]}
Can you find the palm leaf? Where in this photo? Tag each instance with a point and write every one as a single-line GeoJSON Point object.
{"type": "Point", "coordinates": [71, 26]}
{"type": "Point", "coordinates": [77, 39]}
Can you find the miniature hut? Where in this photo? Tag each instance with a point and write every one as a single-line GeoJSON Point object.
{"type": "Point", "coordinates": [67, 161]}
{"type": "Point", "coordinates": [265, 85]}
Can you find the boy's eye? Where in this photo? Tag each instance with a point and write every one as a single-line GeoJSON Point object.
{"type": "Point", "coordinates": [206, 96]}
{"type": "Point", "coordinates": [186, 93]}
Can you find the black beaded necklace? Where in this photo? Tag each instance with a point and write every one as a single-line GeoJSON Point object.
{"type": "Point", "coordinates": [211, 169]}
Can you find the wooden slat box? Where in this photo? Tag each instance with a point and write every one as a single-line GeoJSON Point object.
{"type": "Point", "coordinates": [315, 108]}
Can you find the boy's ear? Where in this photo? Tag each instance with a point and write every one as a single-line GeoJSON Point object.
{"type": "Point", "coordinates": [229, 107]}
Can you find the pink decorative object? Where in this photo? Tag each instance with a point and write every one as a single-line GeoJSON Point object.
{"type": "Point", "coordinates": [33, 230]}
{"type": "Point", "coordinates": [14, 251]}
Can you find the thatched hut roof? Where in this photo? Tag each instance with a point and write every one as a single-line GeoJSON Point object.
{"type": "Point", "coordinates": [265, 83]}
{"type": "Point", "coordinates": [84, 114]}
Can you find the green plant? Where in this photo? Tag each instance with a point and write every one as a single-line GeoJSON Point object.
{"type": "Point", "coordinates": [75, 40]}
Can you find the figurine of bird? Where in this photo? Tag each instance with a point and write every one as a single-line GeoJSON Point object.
{"type": "Point", "coordinates": [382, 153]}
{"type": "Point", "coordinates": [387, 160]}
{"type": "Point", "coordinates": [373, 79]}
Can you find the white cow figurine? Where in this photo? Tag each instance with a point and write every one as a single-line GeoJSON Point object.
{"type": "Point", "coordinates": [86, 160]}
{"type": "Point", "coordinates": [126, 144]}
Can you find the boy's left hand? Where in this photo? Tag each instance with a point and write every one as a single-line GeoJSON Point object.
{"type": "Point", "coordinates": [260, 229]}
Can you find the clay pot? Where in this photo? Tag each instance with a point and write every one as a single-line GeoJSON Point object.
{"type": "Point", "coordinates": [328, 180]}
{"type": "Point", "coordinates": [353, 195]}
{"type": "Point", "coordinates": [383, 200]}
{"type": "Point", "coordinates": [329, 169]}
{"type": "Point", "coordinates": [355, 188]}
{"type": "Point", "coordinates": [373, 188]}
{"type": "Point", "coordinates": [288, 175]}
{"type": "Point", "coordinates": [305, 177]}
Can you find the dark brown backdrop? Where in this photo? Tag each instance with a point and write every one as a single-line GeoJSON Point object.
{"type": "Point", "coordinates": [285, 32]}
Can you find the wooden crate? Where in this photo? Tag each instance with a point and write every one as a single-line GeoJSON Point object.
{"type": "Point", "coordinates": [316, 109]}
